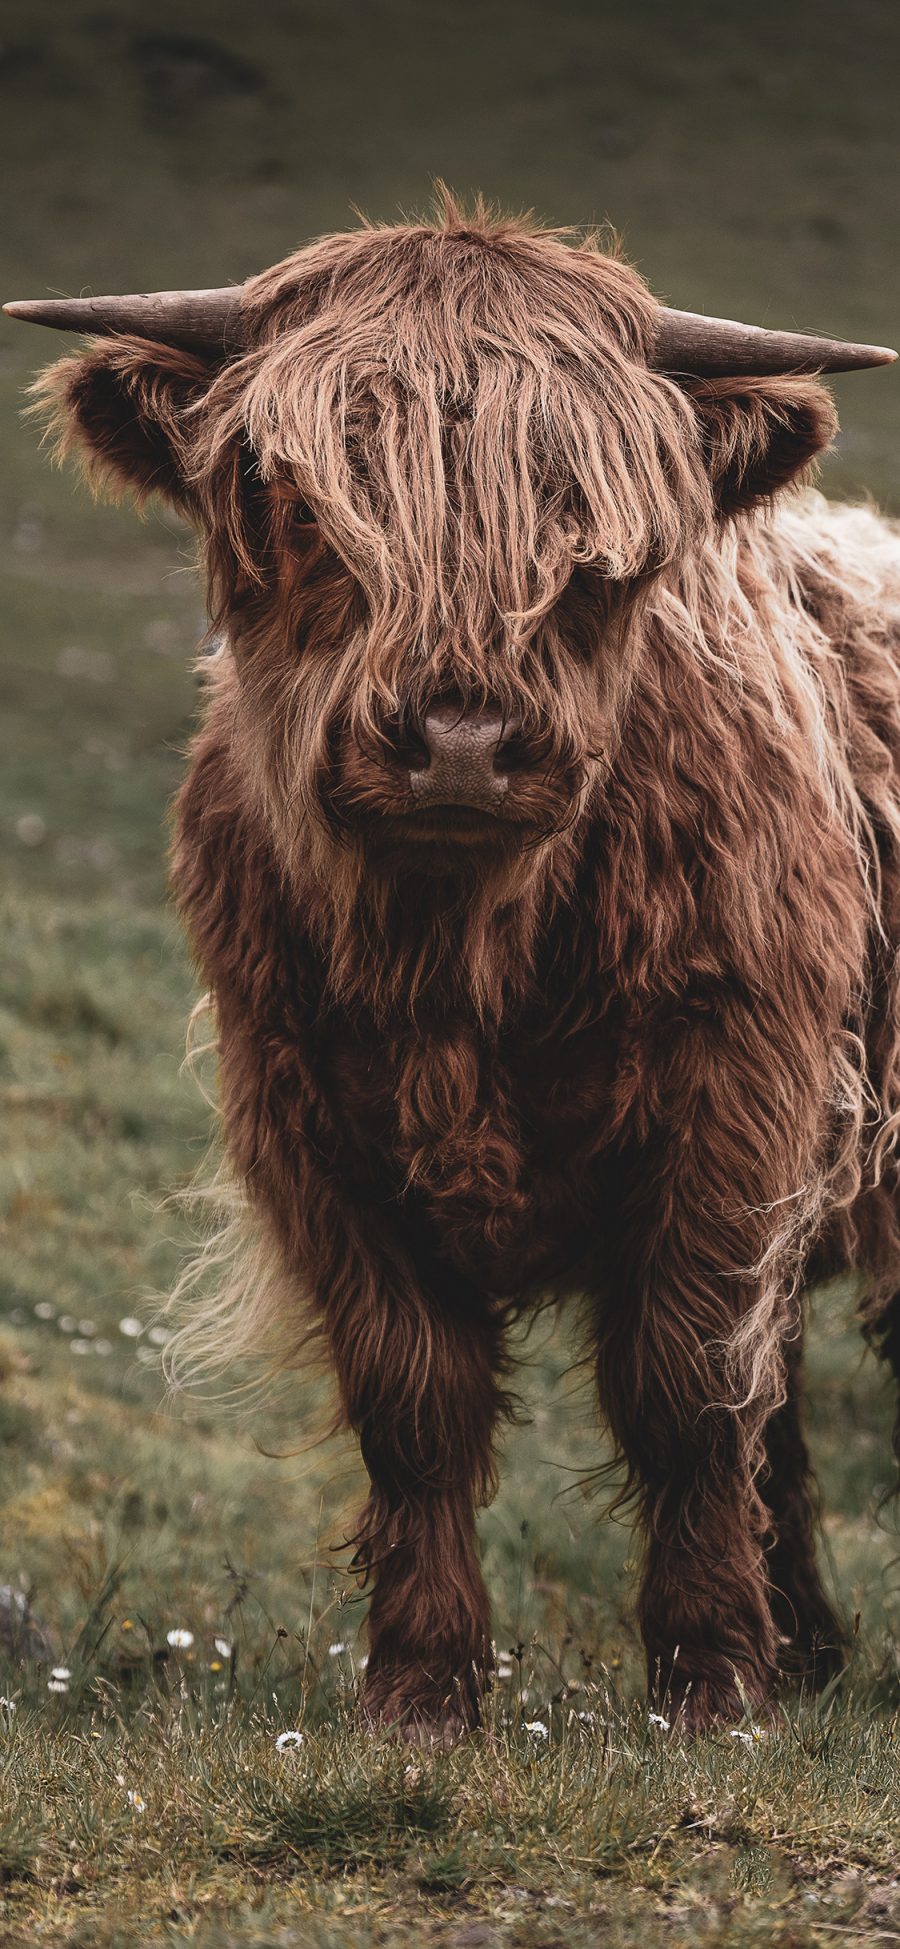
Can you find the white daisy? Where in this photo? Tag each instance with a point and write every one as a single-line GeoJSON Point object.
{"type": "Point", "coordinates": [180, 1640]}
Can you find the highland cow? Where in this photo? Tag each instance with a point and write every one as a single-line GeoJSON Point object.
{"type": "Point", "coordinates": [540, 850]}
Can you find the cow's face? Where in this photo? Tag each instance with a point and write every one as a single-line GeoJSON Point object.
{"type": "Point", "coordinates": [437, 494]}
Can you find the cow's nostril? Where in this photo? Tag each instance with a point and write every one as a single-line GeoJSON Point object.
{"type": "Point", "coordinates": [511, 753]}
{"type": "Point", "coordinates": [462, 748]}
{"type": "Point", "coordinates": [404, 746]}
{"type": "Point", "coordinates": [414, 753]}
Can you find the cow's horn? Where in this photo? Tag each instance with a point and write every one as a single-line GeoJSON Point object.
{"type": "Point", "coordinates": [688, 342]}
{"type": "Point", "coordinates": [201, 321]}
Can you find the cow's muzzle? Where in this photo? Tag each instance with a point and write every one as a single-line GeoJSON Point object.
{"type": "Point", "coordinates": [463, 757]}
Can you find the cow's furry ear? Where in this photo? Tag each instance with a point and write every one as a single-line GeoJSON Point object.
{"type": "Point", "coordinates": [123, 406]}
{"type": "Point", "coordinates": [758, 435]}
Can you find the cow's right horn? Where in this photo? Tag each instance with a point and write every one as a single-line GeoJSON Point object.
{"type": "Point", "coordinates": [688, 341]}
{"type": "Point", "coordinates": [201, 321]}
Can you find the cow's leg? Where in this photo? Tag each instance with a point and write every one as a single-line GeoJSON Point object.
{"type": "Point", "coordinates": [705, 1618]}
{"type": "Point", "coordinates": [419, 1382]}
{"type": "Point", "coordinates": [705, 1234]}
{"type": "Point", "coordinates": [813, 1642]}
{"type": "Point", "coordinates": [418, 1360]}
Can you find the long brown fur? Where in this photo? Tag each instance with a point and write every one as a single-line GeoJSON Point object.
{"type": "Point", "coordinates": [639, 1042]}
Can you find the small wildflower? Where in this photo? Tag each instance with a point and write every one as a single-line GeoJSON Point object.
{"type": "Point", "coordinates": [8, 1706]}
{"type": "Point", "coordinates": [66, 1323]}
{"type": "Point", "coordinates": [751, 1738]}
{"type": "Point", "coordinates": [44, 1310]}
{"type": "Point", "coordinates": [160, 1335]}
{"type": "Point", "coordinates": [504, 1668]}
{"type": "Point", "coordinates": [81, 1346]}
{"type": "Point", "coordinates": [88, 1328]}
{"type": "Point", "coordinates": [131, 1328]}
{"type": "Point", "coordinates": [656, 1719]}
{"type": "Point", "coordinates": [59, 1679]}
{"type": "Point", "coordinates": [215, 1664]}
{"type": "Point", "coordinates": [586, 1718]}
{"type": "Point", "coordinates": [127, 1624]}
{"type": "Point", "coordinates": [136, 1801]}
{"type": "Point", "coordinates": [286, 1739]}
{"type": "Point", "coordinates": [537, 1729]}
{"type": "Point", "coordinates": [334, 1650]}
{"type": "Point", "coordinates": [223, 1647]}
{"type": "Point", "coordinates": [180, 1640]}
{"type": "Point", "coordinates": [103, 1347]}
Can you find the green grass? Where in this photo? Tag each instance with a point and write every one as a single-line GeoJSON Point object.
{"type": "Point", "coordinates": [751, 161]}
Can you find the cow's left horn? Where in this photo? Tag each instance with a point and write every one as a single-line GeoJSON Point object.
{"type": "Point", "coordinates": [686, 341]}
{"type": "Point", "coordinates": [201, 321]}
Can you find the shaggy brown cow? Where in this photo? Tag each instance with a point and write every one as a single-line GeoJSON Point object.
{"type": "Point", "coordinates": [541, 852]}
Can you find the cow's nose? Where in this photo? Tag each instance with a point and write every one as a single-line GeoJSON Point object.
{"type": "Point", "coordinates": [463, 757]}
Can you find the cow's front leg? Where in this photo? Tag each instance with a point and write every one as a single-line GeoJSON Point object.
{"type": "Point", "coordinates": [418, 1377]}
{"type": "Point", "coordinates": [707, 1228]}
{"type": "Point", "coordinates": [418, 1360]}
{"type": "Point", "coordinates": [706, 1622]}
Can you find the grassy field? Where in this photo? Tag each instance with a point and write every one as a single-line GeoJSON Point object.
{"type": "Point", "coordinates": [752, 167]}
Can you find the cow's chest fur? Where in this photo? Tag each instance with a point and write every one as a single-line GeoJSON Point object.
{"type": "Point", "coordinates": [492, 1149]}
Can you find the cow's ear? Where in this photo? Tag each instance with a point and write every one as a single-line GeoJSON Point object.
{"type": "Point", "coordinates": [124, 407]}
{"type": "Point", "coordinates": [758, 435]}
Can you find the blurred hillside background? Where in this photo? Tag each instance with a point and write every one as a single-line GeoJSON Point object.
{"type": "Point", "coordinates": [750, 158]}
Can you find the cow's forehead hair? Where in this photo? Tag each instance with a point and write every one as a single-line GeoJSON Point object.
{"type": "Point", "coordinates": [439, 284]}
{"type": "Point", "coordinates": [468, 409]}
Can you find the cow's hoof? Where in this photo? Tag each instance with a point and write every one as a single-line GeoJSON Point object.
{"type": "Point", "coordinates": [417, 1722]}
{"type": "Point", "coordinates": [712, 1706]}
{"type": "Point", "coordinates": [435, 1732]}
